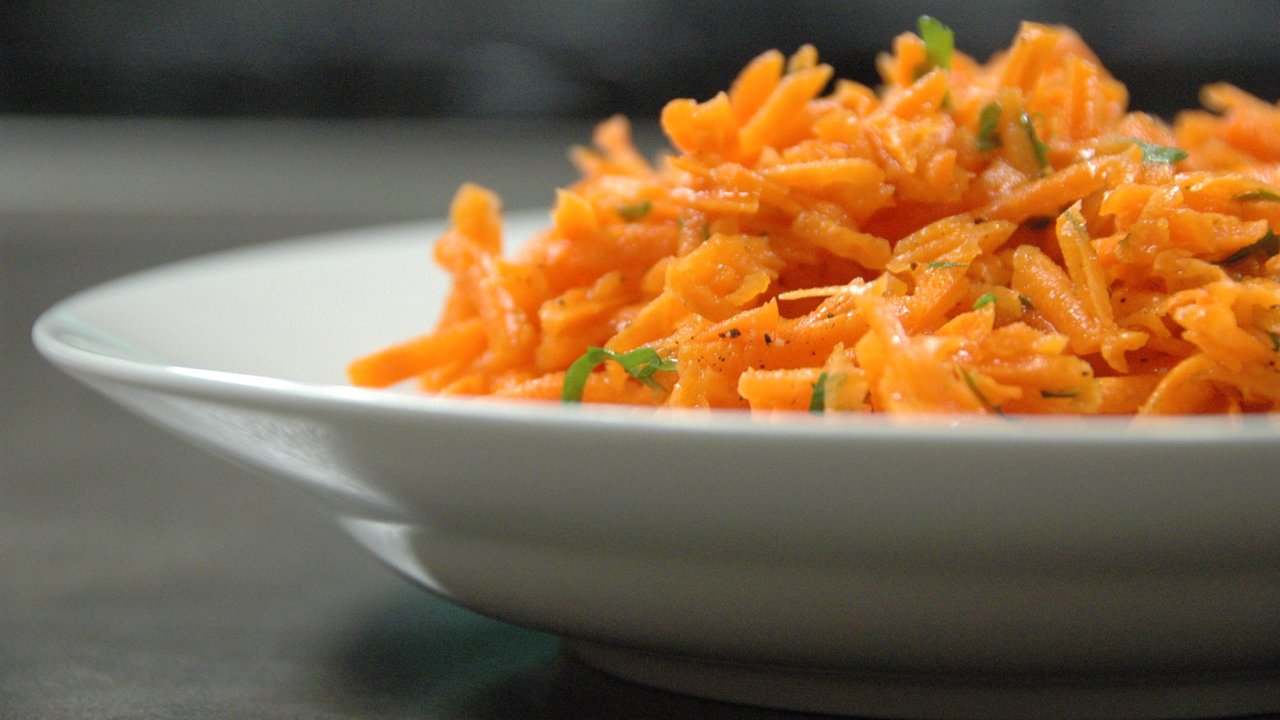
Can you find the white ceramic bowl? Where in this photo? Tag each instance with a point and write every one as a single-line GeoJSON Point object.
{"type": "Point", "coordinates": [1073, 568]}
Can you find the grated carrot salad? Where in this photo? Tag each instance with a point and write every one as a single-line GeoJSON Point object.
{"type": "Point", "coordinates": [968, 238]}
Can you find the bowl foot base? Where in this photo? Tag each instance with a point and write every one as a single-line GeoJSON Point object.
{"type": "Point", "coordinates": [869, 695]}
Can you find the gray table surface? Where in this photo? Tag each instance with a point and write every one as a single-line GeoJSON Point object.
{"type": "Point", "coordinates": [142, 578]}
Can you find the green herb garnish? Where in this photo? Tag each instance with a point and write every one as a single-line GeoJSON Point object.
{"type": "Point", "coordinates": [1152, 153]}
{"type": "Point", "coordinates": [939, 43]}
{"type": "Point", "coordinates": [1275, 341]}
{"type": "Point", "coordinates": [1037, 145]}
{"type": "Point", "coordinates": [632, 213]}
{"type": "Point", "coordinates": [973, 386]}
{"type": "Point", "coordinates": [1269, 245]}
{"type": "Point", "coordinates": [984, 300]}
{"type": "Point", "coordinates": [1258, 194]}
{"type": "Point", "coordinates": [640, 364]}
{"type": "Point", "coordinates": [988, 126]}
{"type": "Point", "coordinates": [1059, 393]}
{"type": "Point", "coordinates": [818, 400]}
{"type": "Point", "coordinates": [945, 264]}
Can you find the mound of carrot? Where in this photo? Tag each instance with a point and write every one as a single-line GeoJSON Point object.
{"type": "Point", "coordinates": [999, 237]}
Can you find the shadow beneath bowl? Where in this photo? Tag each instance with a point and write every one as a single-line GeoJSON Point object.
{"type": "Point", "coordinates": [418, 655]}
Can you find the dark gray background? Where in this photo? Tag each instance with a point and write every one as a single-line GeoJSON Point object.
{"type": "Point", "coordinates": [575, 58]}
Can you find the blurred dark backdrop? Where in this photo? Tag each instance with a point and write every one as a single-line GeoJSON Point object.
{"type": "Point", "coordinates": [568, 58]}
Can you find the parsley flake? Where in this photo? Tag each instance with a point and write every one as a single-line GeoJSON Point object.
{"type": "Point", "coordinates": [632, 213]}
{"type": "Point", "coordinates": [1259, 194]}
{"type": "Point", "coordinates": [939, 41]}
{"type": "Point", "coordinates": [939, 44]}
{"type": "Point", "coordinates": [1152, 153]}
{"type": "Point", "coordinates": [988, 125]}
{"type": "Point", "coordinates": [982, 398]}
{"type": "Point", "coordinates": [1037, 145]}
{"type": "Point", "coordinates": [1269, 245]}
{"type": "Point", "coordinates": [818, 401]}
{"type": "Point", "coordinates": [984, 300]}
{"type": "Point", "coordinates": [640, 364]}
{"type": "Point", "coordinates": [1059, 393]}
{"type": "Point", "coordinates": [946, 264]}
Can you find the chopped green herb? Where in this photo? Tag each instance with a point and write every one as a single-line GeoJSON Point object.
{"type": "Point", "coordinates": [1259, 194]}
{"type": "Point", "coordinates": [1037, 145]}
{"type": "Point", "coordinates": [1275, 341]}
{"type": "Point", "coordinates": [1059, 393]}
{"type": "Point", "coordinates": [632, 213]}
{"type": "Point", "coordinates": [1269, 245]}
{"type": "Point", "coordinates": [945, 264]}
{"type": "Point", "coordinates": [818, 401]}
{"type": "Point", "coordinates": [1152, 153]}
{"type": "Point", "coordinates": [983, 300]}
{"type": "Point", "coordinates": [988, 126]}
{"type": "Point", "coordinates": [939, 43]}
{"type": "Point", "coordinates": [973, 386]}
{"type": "Point", "coordinates": [640, 364]}
{"type": "Point", "coordinates": [1026, 301]}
